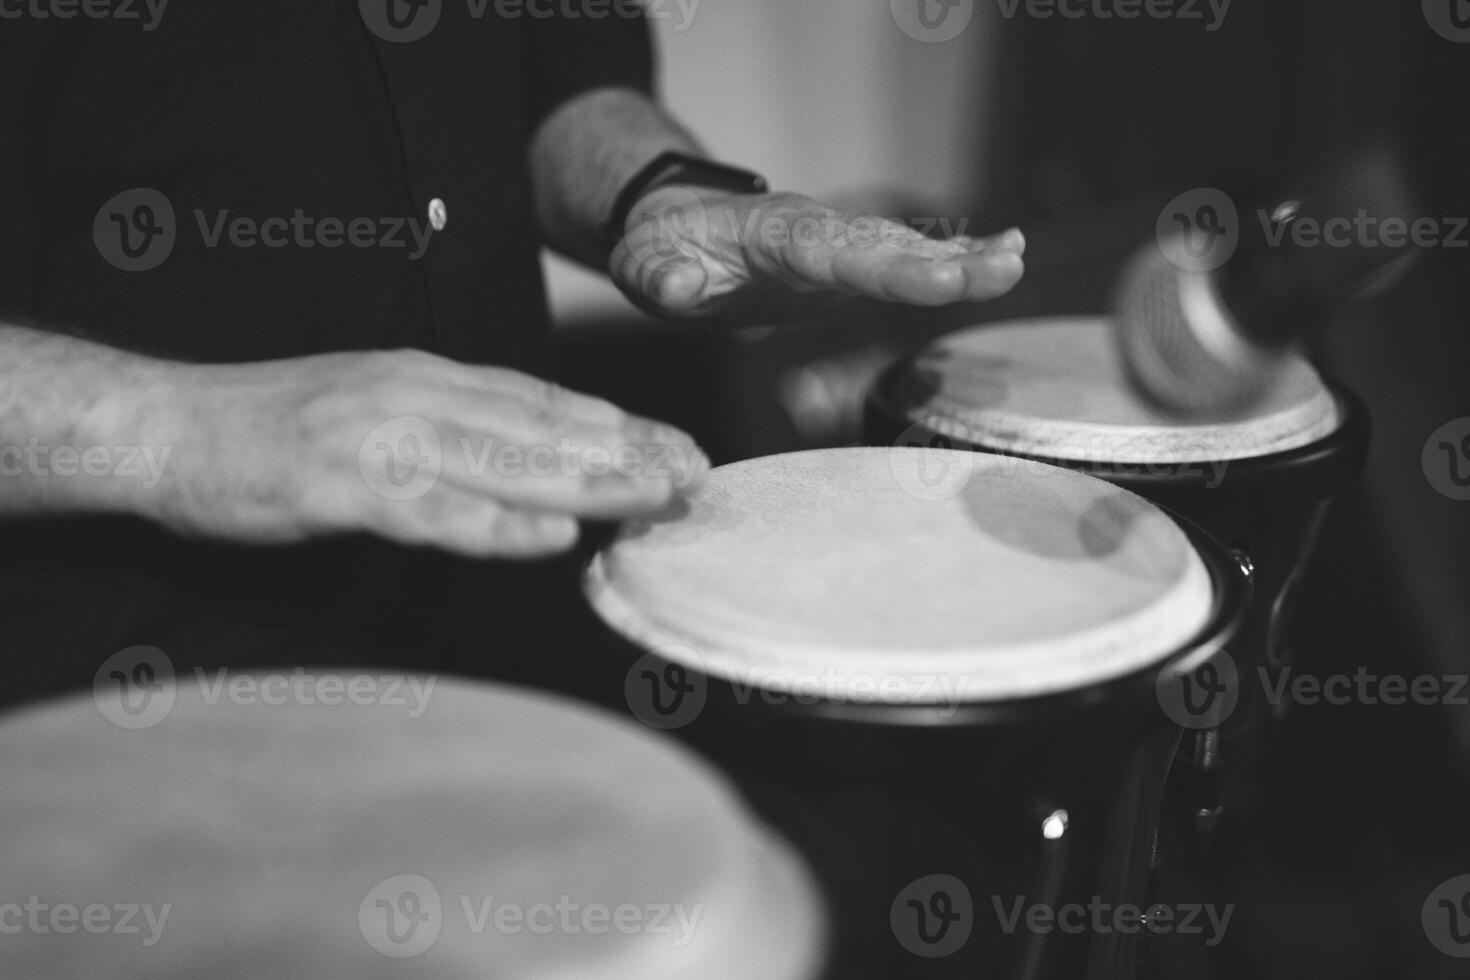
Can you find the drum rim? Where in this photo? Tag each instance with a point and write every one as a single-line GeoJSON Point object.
{"type": "Point", "coordinates": [1319, 466]}
{"type": "Point", "coordinates": [890, 381]}
{"type": "Point", "coordinates": [1115, 645]}
{"type": "Point", "coordinates": [1231, 592]}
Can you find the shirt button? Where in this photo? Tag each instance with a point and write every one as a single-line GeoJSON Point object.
{"type": "Point", "coordinates": [438, 214]}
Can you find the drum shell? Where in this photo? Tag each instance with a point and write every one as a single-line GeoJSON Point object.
{"type": "Point", "coordinates": [988, 770]}
{"type": "Point", "coordinates": [1268, 510]}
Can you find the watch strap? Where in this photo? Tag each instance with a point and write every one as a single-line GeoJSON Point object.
{"type": "Point", "coordinates": [678, 168]}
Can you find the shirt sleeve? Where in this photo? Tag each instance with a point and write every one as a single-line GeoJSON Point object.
{"type": "Point", "coordinates": [569, 53]}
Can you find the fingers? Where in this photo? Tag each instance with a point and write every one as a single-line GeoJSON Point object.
{"type": "Point", "coordinates": [472, 526]}
{"type": "Point", "coordinates": [669, 284]}
{"type": "Point", "coordinates": [544, 457]}
{"type": "Point", "coordinates": [524, 446]}
{"type": "Point", "coordinates": [906, 267]}
{"type": "Point", "coordinates": [542, 395]}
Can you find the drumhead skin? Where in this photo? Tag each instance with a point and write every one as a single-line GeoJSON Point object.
{"type": "Point", "coordinates": [1057, 389]}
{"type": "Point", "coordinates": [905, 575]}
{"type": "Point", "coordinates": [509, 834]}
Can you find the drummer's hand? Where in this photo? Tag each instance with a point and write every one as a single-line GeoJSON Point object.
{"type": "Point", "coordinates": [408, 446]}
{"type": "Point", "coordinates": [690, 252]}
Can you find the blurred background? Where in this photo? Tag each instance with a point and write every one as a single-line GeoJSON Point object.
{"type": "Point", "coordinates": [1080, 130]}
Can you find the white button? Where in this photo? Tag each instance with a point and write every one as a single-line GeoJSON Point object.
{"type": "Point", "coordinates": [438, 214]}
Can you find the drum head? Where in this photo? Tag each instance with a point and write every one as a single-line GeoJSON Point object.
{"type": "Point", "coordinates": [494, 834]}
{"type": "Point", "coordinates": [905, 576]}
{"type": "Point", "coordinates": [1058, 389]}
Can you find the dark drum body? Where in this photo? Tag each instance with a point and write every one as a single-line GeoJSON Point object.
{"type": "Point", "coordinates": [1261, 482]}
{"type": "Point", "coordinates": [947, 696]}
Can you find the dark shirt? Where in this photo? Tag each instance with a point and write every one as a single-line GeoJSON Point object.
{"type": "Point", "coordinates": [298, 111]}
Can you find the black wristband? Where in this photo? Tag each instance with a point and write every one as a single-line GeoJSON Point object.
{"type": "Point", "coordinates": [678, 168]}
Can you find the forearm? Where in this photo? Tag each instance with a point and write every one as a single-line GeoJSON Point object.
{"type": "Point", "coordinates": [585, 153]}
{"type": "Point", "coordinates": [73, 425]}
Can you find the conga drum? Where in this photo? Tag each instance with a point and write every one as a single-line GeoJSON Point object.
{"type": "Point", "coordinates": [927, 625]}
{"type": "Point", "coordinates": [1260, 481]}
{"type": "Point", "coordinates": [477, 832]}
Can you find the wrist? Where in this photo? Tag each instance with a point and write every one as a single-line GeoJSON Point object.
{"type": "Point", "coordinates": [671, 178]}
{"type": "Point", "coordinates": [137, 423]}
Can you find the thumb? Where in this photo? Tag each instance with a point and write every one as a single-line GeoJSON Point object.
{"type": "Point", "coordinates": [678, 286]}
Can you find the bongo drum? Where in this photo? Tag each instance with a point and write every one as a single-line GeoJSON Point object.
{"type": "Point", "coordinates": [934, 621]}
{"type": "Point", "coordinates": [495, 834]}
{"type": "Point", "coordinates": [1056, 391]}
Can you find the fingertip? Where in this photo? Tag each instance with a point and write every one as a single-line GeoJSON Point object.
{"type": "Point", "coordinates": [1002, 269]}
{"type": "Point", "coordinates": [1013, 239]}
{"type": "Point", "coordinates": [693, 471]}
{"type": "Point", "coordinates": [538, 536]}
{"type": "Point", "coordinates": [558, 532]}
{"type": "Point", "coordinates": [679, 285]}
{"type": "Point", "coordinates": [948, 276]}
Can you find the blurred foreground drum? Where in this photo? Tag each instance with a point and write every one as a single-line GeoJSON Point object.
{"type": "Point", "coordinates": [934, 624]}
{"type": "Point", "coordinates": [470, 832]}
{"type": "Point", "coordinates": [1056, 391]}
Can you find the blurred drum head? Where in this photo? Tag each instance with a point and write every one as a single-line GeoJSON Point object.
{"type": "Point", "coordinates": [1058, 389]}
{"type": "Point", "coordinates": [905, 575]}
{"type": "Point", "coordinates": [496, 833]}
